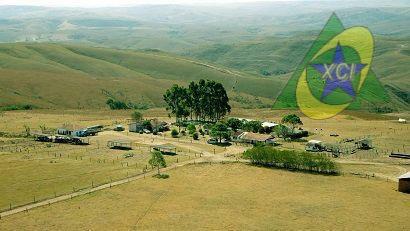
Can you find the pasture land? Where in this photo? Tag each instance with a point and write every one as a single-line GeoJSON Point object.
{"type": "Point", "coordinates": [228, 196]}
{"type": "Point", "coordinates": [32, 171]}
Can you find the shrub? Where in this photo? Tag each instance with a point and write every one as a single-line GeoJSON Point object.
{"type": "Point", "coordinates": [16, 107]}
{"type": "Point", "coordinates": [147, 125]}
{"type": "Point", "coordinates": [195, 136]}
{"type": "Point", "coordinates": [191, 129]}
{"type": "Point", "coordinates": [116, 104]}
{"type": "Point", "coordinates": [201, 132]}
{"type": "Point", "coordinates": [292, 160]}
{"type": "Point", "coordinates": [174, 133]}
{"type": "Point", "coordinates": [161, 176]}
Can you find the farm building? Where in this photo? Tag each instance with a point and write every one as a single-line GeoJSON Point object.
{"type": "Point", "coordinates": [403, 121]}
{"type": "Point", "coordinates": [135, 127]}
{"type": "Point", "coordinates": [254, 138]}
{"type": "Point", "coordinates": [165, 148]}
{"type": "Point", "coordinates": [63, 131]}
{"type": "Point", "coordinates": [95, 129]}
{"type": "Point", "coordinates": [404, 183]}
{"type": "Point", "coordinates": [314, 146]}
{"type": "Point", "coordinates": [120, 144]}
{"type": "Point", "coordinates": [79, 133]}
{"type": "Point", "coordinates": [269, 125]}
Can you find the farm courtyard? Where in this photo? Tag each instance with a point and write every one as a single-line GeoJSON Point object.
{"type": "Point", "coordinates": [217, 195]}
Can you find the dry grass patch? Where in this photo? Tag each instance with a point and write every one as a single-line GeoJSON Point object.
{"type": "Point", "coordinates": [229, 196]}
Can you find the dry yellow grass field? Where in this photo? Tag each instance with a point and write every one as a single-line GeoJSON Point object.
{"type": "Point", "coordinates": [33, 171]}
{"type": "Point", "coordinates": [228, 197]}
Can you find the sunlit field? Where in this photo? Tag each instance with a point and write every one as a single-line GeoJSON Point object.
{"type": "Point", "coordinates": [228, 196]}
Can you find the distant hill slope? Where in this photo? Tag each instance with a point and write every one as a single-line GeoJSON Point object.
{"type": "Point", "coordinates": [279, 56]}
{"type": "Point", "coordinates": [72, 76]}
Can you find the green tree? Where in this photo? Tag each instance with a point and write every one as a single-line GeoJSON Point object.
{"type": "Point", "coordinates": [194, 99]}
{"type": "Point", "coordinates": [157, 160]}
{"type": "Point", "coordinates": [195, 136]}
{"type": "Point", "coordinates": [293, 120]}
{"type": "Point", "coordinates": [176, 99]}
{"type": "Point", "coordinates": [283, 131]}
{"type": "Point", "coordinates": [205, 100]}
{"type": "Point", "coordinates": [174, 133]}
{"type": "Point", "coordinates": [146, 124]}
{"type": "Point", "coordinates": [220, 102]}
{"type": "Point", "coordinates": [234, 123]}
{"type": "Point", "coordinates": [191, 129]}
{"type": "Point", "coordinates": [136, 116]}
{"type": "Point", "coordinates": [252, 126]}
{"type": "Point", "coordinates": [27, 130]}
{"type": "Point", "coordinates": [219, 131]}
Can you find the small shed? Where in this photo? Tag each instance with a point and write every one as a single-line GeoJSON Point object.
{"type": "Point", "coordinates": [135, 127]}
{"type": "Point", "coordinates": [165, 148]}
{"type": "Point", "coordinates": [120, 144]}
{"type": "Point", "coordinates": [314, 146]}
{"type": "Point", "coordinates": [404, 183]}
{"type": "Point", "coordinates": [94, 129]}
{"type": "Point", "coordinates": [63, 131]}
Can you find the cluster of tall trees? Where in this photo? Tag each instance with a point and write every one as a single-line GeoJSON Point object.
{"type": "Point", "coordinates": [292, 160]}
{"type": "Point", "coordinates": [203, 101]}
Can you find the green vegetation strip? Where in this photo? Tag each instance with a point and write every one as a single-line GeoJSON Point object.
{"type": "Point", "coordinates": [292, 160]}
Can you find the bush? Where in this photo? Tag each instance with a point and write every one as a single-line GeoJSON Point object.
{"type": "Point", "coordinates": [201, 132]}
{"type": "Point", "coordinates": [161, 176]}
{"type": "Point", "coordinates": [16, 107]}
{"type": "Point", "coordinates": [292, 160]}
{"type": "Point", "coordinates": [174, 133]}
{"type": "Point", "coordinates": [195, 136]}
{"type": "Point", "coordinates": [381, 109]}
{"type": "Point", "coordinates": [147, 125]}
{"type": "Point", "coordinates": [116, 104]}
{"type": "Point", "coordinates": [298, 135]}
{"type": "Point", "coordinates": [191, 129]}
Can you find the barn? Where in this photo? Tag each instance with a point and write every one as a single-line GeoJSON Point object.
{"type": "Point", "coordinates": [254, 138]}
{"type": "Point", "coordinates": [404, 183]}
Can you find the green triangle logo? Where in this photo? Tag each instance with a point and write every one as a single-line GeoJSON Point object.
{"type": "Point", "coordinates": [371, 93]}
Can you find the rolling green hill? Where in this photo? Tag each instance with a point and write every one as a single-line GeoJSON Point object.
{"type": "Point", "coordinates": [275, 57]}
{"type": "Point", "coordinates": [72, 76]}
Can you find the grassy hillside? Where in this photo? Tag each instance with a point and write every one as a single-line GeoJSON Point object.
{"type": "Point", "coordinates": [56, 76]}
{"type": "Point", "coordinates": [274, 57]}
